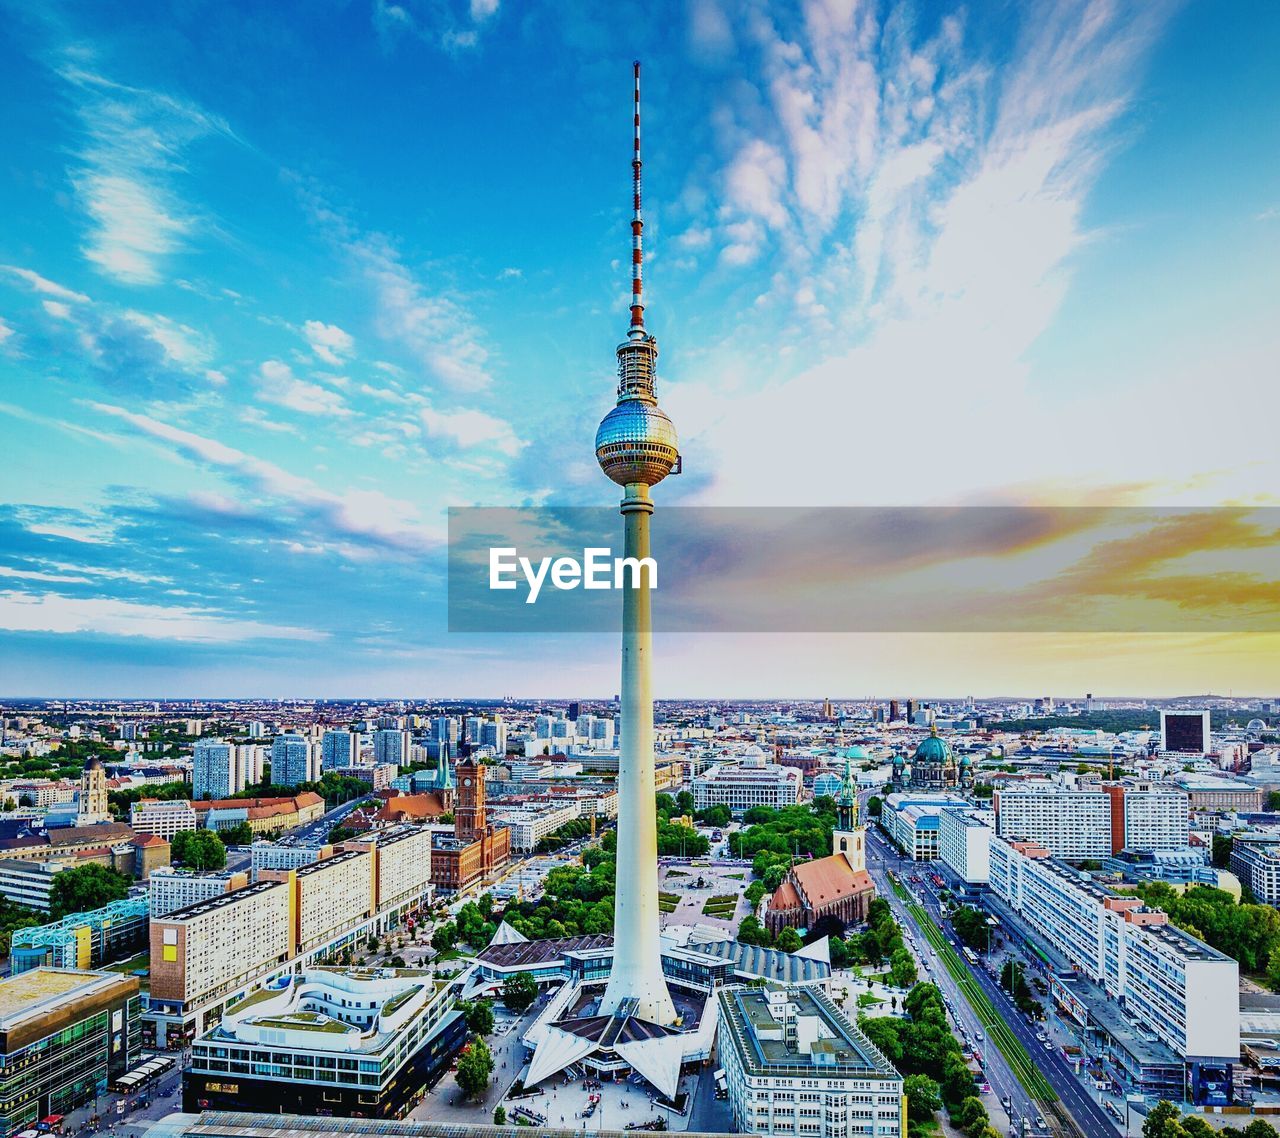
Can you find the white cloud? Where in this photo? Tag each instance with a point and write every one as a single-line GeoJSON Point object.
{"type": "Point", "coordinates": [363, 515]}
{"type": "Point", "coordinates": [56, 309]}
{"type": "Point", "coordinates": [329, 342]}
{"type": "Point", "coordinates": [924, 209]}
{"type": "Point", "coordinates": [6, 330]}
{"type": "Point", "coordinates": [182, 344]}
{"type": "Point", "coordinates": [131, 153]}
{"type": "Point", "coordinates": [277, 384]}
{"type": "Point", "coordinates": [52, 612]}
{"type": "Point", "coordinates": [471, 429]}
{"type": "Point", "coordinates": [44, 285]}
{"type": "Point", "coordinates": [436, 328]}
{"type": "Point", "coordinates": [437, 22]}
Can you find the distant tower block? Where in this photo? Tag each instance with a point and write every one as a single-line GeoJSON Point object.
{"type": "Point", "coordinates": [636, 446]}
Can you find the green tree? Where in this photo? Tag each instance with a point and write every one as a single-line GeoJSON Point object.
{"type": "Point", "coordinates": [684, 803]}
{"type": "Point", "coordinates": [1221, 855]}
{"type": "Point", "coordinates": [200, 850]}
{"type": "Point", "coordinates": [902, 968]}
{"type": "Point", "coordinates": [875, 806]}
{"type": "Point", "coordinates": [924, 1096]}
{"type": "Point", "coordinates": [444, 937]}
{"type": "Point", "coordinates": [479, 1017]}
{"type": "Point", "coordinates": [241, 834]}
{"type": "Point", "coordinates": [499, 1115]}
{"type": "Point", "coordinates": [1164, 1120]}
{"type": "Point", "coordinates": [718, 816]}
{"type": "Point", "coordinates": [519, 992]}
{"type": "Point", "coordinates": [751, 931]}
{"type": "Point", "coordinates": [475, 1068]}
{"type": "Point", "coordinates": [84, 888]}
{"type": "Point", "coordinates": [886, 1033]}
{"type": "Point", "coordinates": [789, 940]}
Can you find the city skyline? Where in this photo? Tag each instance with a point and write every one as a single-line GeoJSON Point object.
{"type": "Point", "coordinates": [255, 334]}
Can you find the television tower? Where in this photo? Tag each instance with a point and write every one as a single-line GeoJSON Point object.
{"type": "Point", "coordinates": [636, 446]}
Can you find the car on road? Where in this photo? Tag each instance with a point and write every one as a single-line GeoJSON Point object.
{"type": "Point", "coordinates": [977, 1035]}
{"type": "Point", "coordinates": [1048, 1045]}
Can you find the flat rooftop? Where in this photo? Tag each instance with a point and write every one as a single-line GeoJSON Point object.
{"type": "Point", "coordinates": [38, 990]}
{"type": "Point", "coordinates": [851, 1054]}
{"type": "Point", "coordinates": [200, 908]}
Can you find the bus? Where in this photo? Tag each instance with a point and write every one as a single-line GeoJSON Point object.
{"type": "Point", "coordinates": [970, 955]}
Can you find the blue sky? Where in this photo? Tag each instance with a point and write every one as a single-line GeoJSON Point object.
{"type": "Point", "coordinates": [283, 282]}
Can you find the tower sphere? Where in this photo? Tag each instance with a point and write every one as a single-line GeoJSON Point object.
{"type": "Point", "coordinates": [636, 442]}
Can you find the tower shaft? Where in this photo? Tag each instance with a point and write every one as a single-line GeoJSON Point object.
{"type": "Point", "coordinates": [637, 959]}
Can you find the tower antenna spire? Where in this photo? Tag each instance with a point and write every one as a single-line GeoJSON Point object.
{"type": "Point", "coordinates": [636, 331]}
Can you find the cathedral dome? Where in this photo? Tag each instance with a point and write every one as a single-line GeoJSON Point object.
{"type": "Point", "coordinates": [934, 751]}
{"type": "Point", "coordinates": [856, 752]}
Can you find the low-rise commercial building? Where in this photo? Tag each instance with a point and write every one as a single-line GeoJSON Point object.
{"type": "Point", "coordinates": [63, 1036]}
{"type": "Point", "coordinates": [341, 1042]}
{"type": "Point", "coordinates": [30, 883]}
{"type": "Point", "coordinates": [263, 815]}
{"type": "Point", "coordinates": [750, 782]}
{"type": "Point", "coordinates": [529, 826]}
{"type": "Point", "coordinates": [794, 1065]}
{"type": "Point", "coordinates": [165, 817]}
{"type": "Point", "coordinates": [84, 940]}
{"type": "Point", "coordinates": [912, 820]}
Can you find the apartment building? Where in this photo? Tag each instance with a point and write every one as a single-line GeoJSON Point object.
{"type": "Point", "coordinates": [170, 889]}
{"type": "Point", "coordinates": [795, 1065]}
{"type": "Point", "coordinates": [208, 956]}
{"type": "Point", "coordinates": [1257, 865]}
{"type": "Point", "coordinates": [272, 855]}
{"type": "Point", "coordinates": [964, 843]}
{"type": "Point", "coordinates": [164, 818]}
{"type": "Point", "coordinates": [1076, 823]}
{"type": "Point", "coordinates": [529, 826]}
{"type": "Point", "coordinates": [403, 867]}
{"type": "Point", "coordinates": [1167, 983]}
{"type": "Point", "coordinates": [330, 895]}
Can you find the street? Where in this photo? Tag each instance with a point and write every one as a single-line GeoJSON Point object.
{"type": "Point", "coordinates": [1076, 1101]}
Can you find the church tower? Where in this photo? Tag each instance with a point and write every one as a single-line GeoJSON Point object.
{"type": "Point", "coordinates": [849, 837]}
{"type": "Point", "coordinates": [469, 817]}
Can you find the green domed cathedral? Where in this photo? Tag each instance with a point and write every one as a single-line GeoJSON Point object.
{"type": "Point", "coordinates": [933, 766]}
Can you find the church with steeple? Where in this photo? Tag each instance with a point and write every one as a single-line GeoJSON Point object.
{"type": "Point", "coordinates": [836, 887]}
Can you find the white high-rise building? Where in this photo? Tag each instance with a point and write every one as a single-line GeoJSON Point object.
{"type": "Point", "coordinates": [293, 760]}
{"type": "Point", "coordinates": [1071, 824]}
{"type": "Point", "coordinates": [339, 748]}
{"type": "Point", "coordinates": [250, 761]}
{"type": "Point", "coordinates": [213, 769]}
{"type": "Point", "coordinates": [964, 843]}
